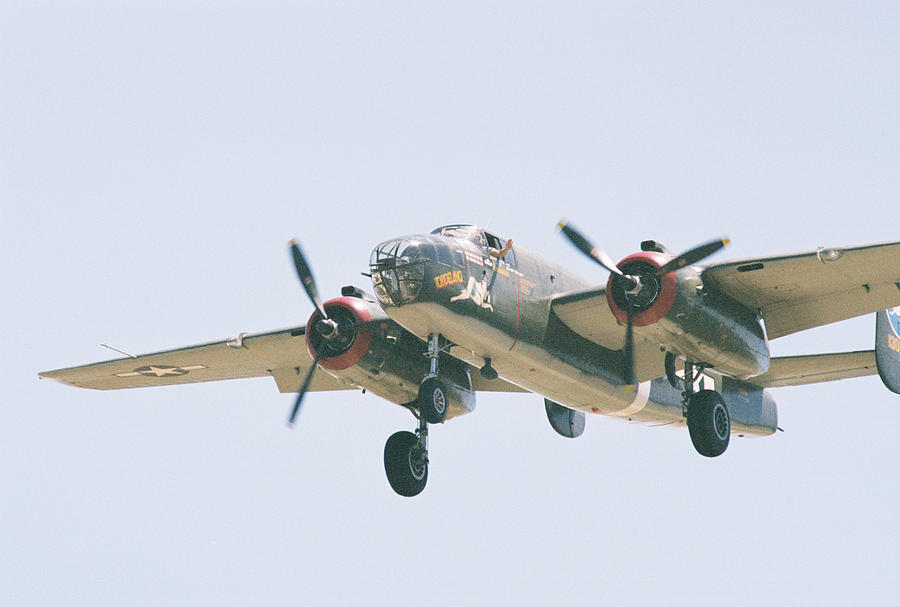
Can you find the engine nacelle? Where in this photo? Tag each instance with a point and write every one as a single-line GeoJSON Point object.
{"type": "Point", "coordinates": [381, 356]}
{"type": "Point", "coordinates": [676, 311]}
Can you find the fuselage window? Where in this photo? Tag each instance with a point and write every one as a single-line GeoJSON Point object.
{"type": "Point", "coordinates": [428, 250]}
{"type": "Point", "coordinates": [443, 255]}
{"type": "Point", "coordinates": [510, 257]}
{"type": "Point", "coordinates": [493, 242]}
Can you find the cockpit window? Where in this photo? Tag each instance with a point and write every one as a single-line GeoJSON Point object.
{"type": "Point", "coordinates": [443, 255]}
{"type": "Point", "coordinates": [466, 232]}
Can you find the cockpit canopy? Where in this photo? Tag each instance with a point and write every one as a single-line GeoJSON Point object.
{"type": "Point", "coordinates": [463, 231]}
{"type": "Point", "coordinates": [398, 265]}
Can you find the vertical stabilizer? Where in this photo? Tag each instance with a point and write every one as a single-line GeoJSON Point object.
{"type": "Point", "coordinates": [887, 347]}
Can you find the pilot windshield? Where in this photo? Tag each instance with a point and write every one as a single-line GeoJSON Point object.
{"type": "Point", "coordinates": [465, 232]}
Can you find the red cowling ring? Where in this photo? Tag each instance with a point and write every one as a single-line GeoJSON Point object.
{"type": "Point", "coordinates": [360, 345]}
{"type": "Point", "coordinates": [664, 301]}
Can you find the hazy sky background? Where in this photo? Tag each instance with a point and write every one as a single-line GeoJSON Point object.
{"type": "Point", "coordinates": [156, 160]}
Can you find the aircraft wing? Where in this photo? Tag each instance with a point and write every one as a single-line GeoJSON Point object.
{"type": "Point", "coordinates": [587, 314]}
{"type": "Point", "coordinates": [806, 290]}
{"type": "Point", "coordinates": [281, 354]}
{"type": "Point", "coordinates": [815, 368]}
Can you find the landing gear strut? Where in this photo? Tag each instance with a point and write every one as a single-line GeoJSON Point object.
{"type": "Point", "coordinates": [406, 453]}
{"type": "Point", "coordinates": [406, 460]}
{"type": "Point", "coordinates": [432, 400]}
{"type": "Point", "coordinates": [707, 416]}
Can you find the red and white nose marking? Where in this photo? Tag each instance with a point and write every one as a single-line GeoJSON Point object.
{"type": "Point", "coordinates": [663, 300]}
{"type": "Point", "coordinates": [342, 342]}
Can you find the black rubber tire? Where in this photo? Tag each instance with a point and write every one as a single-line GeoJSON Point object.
{"type": "Point", "coordinates": [709, 423]}
{"type": "Point", "coordinates": [432, 400]}
{"type": "Point", "coordinates": [406, 476]}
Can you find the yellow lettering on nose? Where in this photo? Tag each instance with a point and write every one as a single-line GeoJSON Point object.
{"type": "Point", "coordinates": [447, 279]}
{"type": "Point", "coordinates": [893, 343]}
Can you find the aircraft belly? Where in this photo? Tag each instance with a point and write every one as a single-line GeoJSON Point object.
{"type": "Point", "coordinates": [532, 367]}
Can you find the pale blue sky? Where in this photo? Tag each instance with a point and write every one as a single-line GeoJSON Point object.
{"type": "Point", "coordinates": [156, 161]}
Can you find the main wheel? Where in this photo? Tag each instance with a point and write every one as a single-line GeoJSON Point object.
{"type": "Point", "coordinates": [709, 423]}
{"type": "Point", "coordinates": [432, 401]}
{"type": "Point", "coordinates": [405, 464]}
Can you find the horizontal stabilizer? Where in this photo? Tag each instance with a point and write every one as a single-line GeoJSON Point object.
{"type": "Point", "coordinates": [815, 368]}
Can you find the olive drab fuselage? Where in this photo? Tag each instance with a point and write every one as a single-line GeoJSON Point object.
{"type": "Point", "coordinates": [501, 309]}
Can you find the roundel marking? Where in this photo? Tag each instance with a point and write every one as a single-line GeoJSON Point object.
{"type": "Point", "coordinates": [893, 315]}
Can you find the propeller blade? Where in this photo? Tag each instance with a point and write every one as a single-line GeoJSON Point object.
{"type": "Point", "coordinates": [583, 244]}
{"type": "Point", "coordinates": [692, 256]}
{"type": "Point", "coordinates": [303, 388]}
{"type": "Point", "coordinates": [306, 277]}
{"type": "Point", "coordinates": [628, 350]}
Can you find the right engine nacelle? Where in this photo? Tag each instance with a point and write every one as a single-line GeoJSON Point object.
{"type": "Point", "coordinates": [676, 311]}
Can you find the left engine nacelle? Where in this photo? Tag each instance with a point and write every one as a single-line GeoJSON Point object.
{"type": "Point", "coordinates": [369, 350]}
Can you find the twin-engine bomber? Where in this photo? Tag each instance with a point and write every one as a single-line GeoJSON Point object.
{"type": "Point", "coordinates": [665, 342]}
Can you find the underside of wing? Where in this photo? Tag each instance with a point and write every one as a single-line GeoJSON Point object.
{"type": "Point", "coordinates": [811, 289]}
{"type": "Point", "coordinates": [587, 314]}
{"type": "Point", "coordinates": [281, 354]}
{"type": "Point", "coordinates": [816, 368]}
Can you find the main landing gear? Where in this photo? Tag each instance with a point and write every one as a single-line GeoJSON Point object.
{"type": "Point", "coordinates": [707, 416]}
{"type": "Point", "coordinates": [406, 460]}
{"type": "Point", "coordinates": [406, 453]}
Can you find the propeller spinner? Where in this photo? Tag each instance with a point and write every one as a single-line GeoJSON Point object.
{"type": "Point", "coordinates": [638, 287]}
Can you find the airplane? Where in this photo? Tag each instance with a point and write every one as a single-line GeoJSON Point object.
{"type": "Point", "coordinates": [664, 342]}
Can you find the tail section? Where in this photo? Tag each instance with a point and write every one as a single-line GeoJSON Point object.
{"type": "Point", "coordinates": [887, 347]}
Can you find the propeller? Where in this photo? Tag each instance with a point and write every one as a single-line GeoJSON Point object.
{"type": "Point", "coordinates": [306, 277]}
{"type": "Point", "coordinates": [632, 285]}
{"type": "Point", "coordinates": [303, 388]}
{"type": "Point", "coordinates": [692, 256]}
{"type": "Point", "coordinates": [325, 326]}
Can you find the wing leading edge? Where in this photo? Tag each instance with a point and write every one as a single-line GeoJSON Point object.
{"type": "Point", "coordinates": [805, 290]}
{"type": "Point", "coordinates": [281, 354]}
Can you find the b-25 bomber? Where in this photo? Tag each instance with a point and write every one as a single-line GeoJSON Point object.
{"type": "Point", "coordinates": [664, 342]}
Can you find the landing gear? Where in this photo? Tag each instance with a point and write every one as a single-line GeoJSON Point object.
{"type": "Point", "coordinates": [708, 423]}
{"type": "Point", "coordinates": [432, 400]}
{"type": "Point", "coordinates": [406, 460]}
{"type": "Point", "coordinates": [406, 453]}
{"type": "Point", "coordinates": [707, 416]}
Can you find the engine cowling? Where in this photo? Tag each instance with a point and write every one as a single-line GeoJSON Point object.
{"type": "Point", "coordinates": [351, 342]}
{"type": "Point", "coordinates": [656, 296]}
{"type": "Point", "coordinates": [677, 312]}
{"type": "Point", "coordinates": [380, 356]}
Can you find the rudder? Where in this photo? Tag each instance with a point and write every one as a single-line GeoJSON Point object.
{"type": "Point", "coordinates": [887, 347]}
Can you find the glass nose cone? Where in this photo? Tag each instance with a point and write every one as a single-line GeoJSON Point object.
{"type": "Point", "coordinates": [398, 270]}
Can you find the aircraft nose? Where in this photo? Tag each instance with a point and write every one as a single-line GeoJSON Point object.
{"type": "Point", "coordinates": [398, 270]}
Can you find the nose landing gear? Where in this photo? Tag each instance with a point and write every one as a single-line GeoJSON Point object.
{"type": "Point", "coordinates": [406, 453]}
